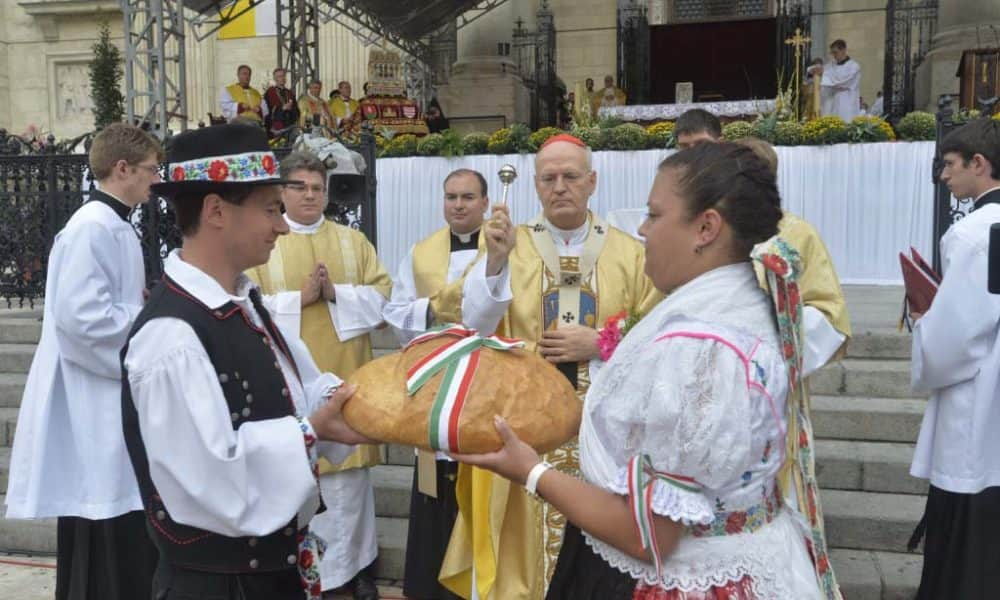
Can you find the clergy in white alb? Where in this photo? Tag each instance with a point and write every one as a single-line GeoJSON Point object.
{"type": "Point", "coordinates": [324, 282]}
{"type": "Point", "coordinates": [427, 291]}
{"type": "Point", "coordinates": [956, 359]}
{"type": "Point", "coordinates": [225, 413]}
{"type": "Point", "coordinates": [69, 459]}
{"type": "Point", "coordinates": [841, 81]}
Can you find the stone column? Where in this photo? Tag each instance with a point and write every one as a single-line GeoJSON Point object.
{"type": "Point", "coordinates": [961, 25]}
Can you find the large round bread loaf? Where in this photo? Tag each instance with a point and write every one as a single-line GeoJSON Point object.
{"type": "Point", "coordinates": [529, 392]}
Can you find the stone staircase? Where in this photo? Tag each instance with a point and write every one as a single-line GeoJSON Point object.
{"type": "Point", "coordinates": [865, 416]}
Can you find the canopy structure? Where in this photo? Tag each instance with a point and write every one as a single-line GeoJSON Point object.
{"type": "Point", "coordinates": [155, 32]}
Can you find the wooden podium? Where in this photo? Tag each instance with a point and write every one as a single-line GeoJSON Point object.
{"type": "Point", "coordinates": [979, 71]}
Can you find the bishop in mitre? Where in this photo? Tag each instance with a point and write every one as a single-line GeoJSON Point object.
{"type": "Point", "coordinates": [324, 281]}
{"type": "Point", "coordinates": [552, 283]}
{"type": "Point", "coordinates": [426, 292]}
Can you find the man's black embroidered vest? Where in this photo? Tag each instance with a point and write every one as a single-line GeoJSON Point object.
{"type": "Point", "coordinates": [255, 390]}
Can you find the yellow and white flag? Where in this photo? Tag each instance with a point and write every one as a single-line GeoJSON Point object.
{"type": "Point", "coordinates": [260, 20]}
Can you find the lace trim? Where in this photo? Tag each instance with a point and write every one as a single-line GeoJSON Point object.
{"type": "Point", "coordinates": [690, 508]}
{"type": "Point", "coordinates": [714, 569]}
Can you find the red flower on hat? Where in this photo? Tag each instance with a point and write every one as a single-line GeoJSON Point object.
{"type": "Point", "coordinates": [218, 171]}
{"type": "Point", "coordinates": [268, 163]}
{"type": "Point", "coordinates": [305, 559]}
{"type": "Point", "coordinates": [178, 174]}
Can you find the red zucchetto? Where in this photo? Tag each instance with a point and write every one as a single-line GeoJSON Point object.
{"type": "Point", "coordinates": [563, 137]}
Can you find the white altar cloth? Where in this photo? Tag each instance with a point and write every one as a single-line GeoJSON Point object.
{"type": "Point", "coordinates": [868, 201]}
{"type": "Point", "coordinates": [661, 112]}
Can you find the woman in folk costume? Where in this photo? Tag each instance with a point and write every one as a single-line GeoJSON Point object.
{"type": "Point", "coordinates": [684, 429]}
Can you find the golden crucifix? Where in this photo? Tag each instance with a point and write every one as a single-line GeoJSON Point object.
{"type": "Point", "coordinates": [798, 41]}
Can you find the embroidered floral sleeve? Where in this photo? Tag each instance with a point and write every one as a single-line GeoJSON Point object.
{"type": "Point", "coordinates": [310, 439]}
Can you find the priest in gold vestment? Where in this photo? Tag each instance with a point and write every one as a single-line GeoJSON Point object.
{"type": "Point", "coordinates": [324, 280]}
{"type": "Point", "coordinates": [242, 100]}
{"type": "Point", "coordinates": [313, 109]}
{"type": "Point", "coordinates": [552, 283]}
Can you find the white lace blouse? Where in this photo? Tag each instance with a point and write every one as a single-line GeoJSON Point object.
{"type": "Point", "coordinates": [699, 386]}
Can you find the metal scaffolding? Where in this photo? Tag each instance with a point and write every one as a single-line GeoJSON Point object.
{"type": "Point", "coordinates": [298, 40]}
{"type": "Point", "coordinates": [155, 82]}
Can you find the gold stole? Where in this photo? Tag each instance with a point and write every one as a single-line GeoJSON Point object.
{"type": "Point", "coordinates": [248, 97]}
{"type": "Point", "coordinates": [292, 260]}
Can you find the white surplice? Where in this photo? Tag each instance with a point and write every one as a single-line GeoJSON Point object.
{"type": "Point", "coordinates": [956, 358]}
{"type": "Point", "coordinates": [406, 313]}
{"type": "Point", "coordinates": [348, 524]}
{"type": "Point", "coordinates": [245, 482]}
{"type": "Point", "coordinates": [69, 456]}
{"type": "Point", "coordinates": [841, 92]}
{"type": "Point", "coordinates": [699, 386]}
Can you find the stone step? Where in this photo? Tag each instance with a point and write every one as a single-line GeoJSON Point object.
{"type": "Point", "coordinates": [870, 521]}
{"type": "Point", "coordinates": [392, 485]}
{"type": "Point", "coordinates": [391, 534]}
{"type": "Point", "coordinates": [867, 418]}
{"type": "Point", "coordinates": [14, 330]}
{"type": "Point", "coordinates": [26, 536]}
{"type": "Point", "coordinates": [16, 358]}
{"type": "Point", "coordinates": [12, 389]}
{"type": "Point", "coordinates": [866, 466]}
{"type": "Point", "coordinates": [8, 422]}
{"type": "Point", "coordinates": [880, 344]}
{"type": "Point", "coordinates": [867, 575]}
{"type": "Point", "coordinates": [887, 378]}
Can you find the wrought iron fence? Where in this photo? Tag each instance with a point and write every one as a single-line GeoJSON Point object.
{"type": "Point", "coordinates": [40, 189]}
{"type": "Point", "coordinates": [909, 27]}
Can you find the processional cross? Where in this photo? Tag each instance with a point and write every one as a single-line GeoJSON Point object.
{"type": "Point", "coordinates": [799, 41]}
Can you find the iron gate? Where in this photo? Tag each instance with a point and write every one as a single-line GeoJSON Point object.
{"type": "Point", "coordinates": [909, 28]}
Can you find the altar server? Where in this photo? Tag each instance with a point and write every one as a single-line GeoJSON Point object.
{"type": "Point", "coordinates": [69, 459]}
{"type": "Point", "coordinates": [551, 282]}
{"type": "Point", "coordinates": [427, 291]}
{"type": "Point", "coordinates": [956, 359]}
{"type": "Point", "coordinates": [841, 81]}
{"type": "Point", "coordinates": [324, 282]}
{"type": "Point", "coordinates": [223, 409]}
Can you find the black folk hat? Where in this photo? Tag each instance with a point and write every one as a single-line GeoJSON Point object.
{"type": "Point", "coordinates": [217, 159]}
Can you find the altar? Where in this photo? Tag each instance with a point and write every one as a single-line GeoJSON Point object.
{"type": "Point", "coordinates": [725, 110]}
{"type": "Point", "coordinates": [868, 201]}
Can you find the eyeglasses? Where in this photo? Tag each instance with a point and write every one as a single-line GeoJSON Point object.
{"type": "Point", "coordinates": [316, 189]}
{"type": "Point", "coordinates": [153, 169]}
{"type": "Point", "coordinates": [569, 177]}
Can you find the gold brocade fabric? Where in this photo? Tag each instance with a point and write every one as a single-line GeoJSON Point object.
{"type": "Point", "coordinates": [247, 97]}
{"type": "Point", "coordinates": [512, 538]}
{"type": "Point", "coordinates": [309, 106]}
{"type": "Point", "coordinates": [294, 258]}
{"type": "Point", "coordinates": [431, 257]}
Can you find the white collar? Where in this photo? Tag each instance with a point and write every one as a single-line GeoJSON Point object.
{"type": "Point", "coordinates": [205, 288]}
{"type": "Point", "coordinates": [297, 227]}
{"type": "Point", "coordinates": [992, 189]}
{"type": "Point", "coordinates": [465, 238]}
{"type": "Point", "coordinates": [569, 237]}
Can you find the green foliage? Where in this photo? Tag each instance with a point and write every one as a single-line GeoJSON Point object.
{"type": "Point", "coordinates": [106, 70]}
{"type": "Point", "coordinates": [765, 128]}
{"type": "Point", "coordinates": [595, 137]}
{"type": "Point", "coordinates": [609, 122]}
{"type": "Point", "coordinates": [737, 130]}
{"type": "Point", "coordinates": [627, 136]}
{"type": "Point", "coordinates": [661, 135]}
{"type": "Point", "coordinates": [401, 145]}
{"type": "Point", "coordinates": [475, 143]}
{"type": "Point", "coordinates": [536, 139]}
{"type": "Point", "coordinates": [965, 115]}
{"type": "Point", "coordinates": [500, 142]}
{"type": "Point", "coordinates": [824, 130]}
{"type": "Point", "coordinates": [519, 134]}
{"type": "Point", "coordinates": [787, 133]}
{"type": "Point", "coordinates": [917, 126]}
{"type": "Point", "coordinates": [451, 144]}
{"type": "Point", "coordinates": [430, 145]}
{"type": "Point", "coordinates": [869, 129]}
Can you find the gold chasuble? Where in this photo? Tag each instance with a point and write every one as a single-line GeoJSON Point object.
{"type": "Point", "coordinates": [431, 257]}
{"type": "Point", "coordinates": [350, 259]}
{"type": "Point", "coordinates": [512, 538]}
{"type": "Point", "coordinates": [249, 98]}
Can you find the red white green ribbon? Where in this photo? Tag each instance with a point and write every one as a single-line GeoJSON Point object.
{"type": "Point", "coordinates": [459, 359]}
{"type": "Point", "coordinates": [641, 477]}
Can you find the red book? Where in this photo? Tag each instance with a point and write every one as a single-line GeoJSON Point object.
{"type": "Point", "coordinates": [921, 281]}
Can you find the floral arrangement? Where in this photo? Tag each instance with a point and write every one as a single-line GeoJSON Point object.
{"type": "Point", "coordinates": [401, 145]}
{"type": "Point", "coordinates": [500, 142]}
{"type": "Point", "coordinates": [430, 145]}
{"type": "Point", "coordinates": [475, 143]}
{"type": "Point", "coordinates": [824, 130]}
{"type": "Point", "coordinates": [627, 136]}
{"type": "Point", "coordinates": [965, 115]}
{"type": "Point", "coordinates": [613, 331]}
{"type": "Point", "coordinates": [536, 139]}
{"type": "Point", "coordinates": [917, 126]}
{"type": "Point", "coordinates": [869, 129]}
{"type": "Point", "coordinates": [737, 130]}
{"type": "Point", "coordinates": [660, 135]}
{"type": "Point", "coordinates": [787, 133]}
{"type": "Point", "coordinates": [593, 136]}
